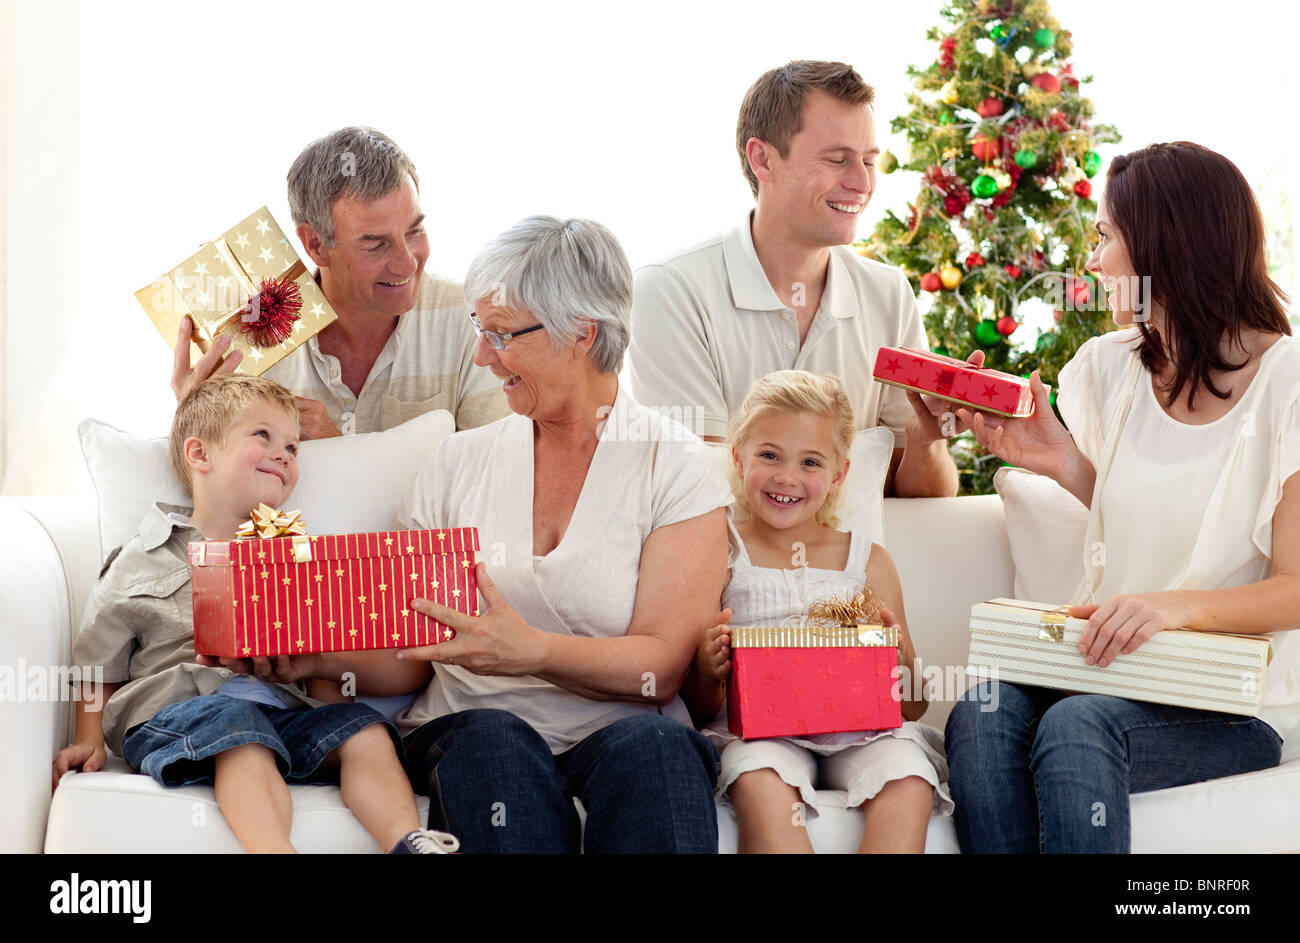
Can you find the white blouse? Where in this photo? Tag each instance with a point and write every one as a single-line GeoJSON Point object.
{"type": "Point", "coordinates": [1180, 506]}
{"type": "Point", "coordinates": [647, 472]}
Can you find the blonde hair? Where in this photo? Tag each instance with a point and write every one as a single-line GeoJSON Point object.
{"type": "Point", "coordinates": [210, 410]}
{"type": "Point", "coordinates": [794, 392]}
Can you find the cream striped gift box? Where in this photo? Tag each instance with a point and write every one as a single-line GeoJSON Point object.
{"type": "Point", "coordinates": [1035, 643]}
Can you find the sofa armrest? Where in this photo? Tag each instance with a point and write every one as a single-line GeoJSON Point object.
{"type": "Point", "coordinates": [34, 645]}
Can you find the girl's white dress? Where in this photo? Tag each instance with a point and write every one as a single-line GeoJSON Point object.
{"type": "Point", "coordinates": [859, 764]}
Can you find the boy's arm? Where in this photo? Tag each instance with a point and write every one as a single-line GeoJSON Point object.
{"type": "Point", "coordinates": [87, 751]}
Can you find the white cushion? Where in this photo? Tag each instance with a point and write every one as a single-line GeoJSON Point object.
{"type": "Point", "coordinates": [348, 484]}
{"type": "Point", "coordinates": [1046, 527]}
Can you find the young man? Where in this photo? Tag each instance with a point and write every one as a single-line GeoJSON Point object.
{"type": "Point", "coordinates": [781, 291]}
{"type": "Point", "coordinates": [403, 343]}
{"type": "Point", "coordinates": [234, 444]}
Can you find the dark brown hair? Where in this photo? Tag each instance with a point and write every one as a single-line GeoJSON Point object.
{"type": "Point", "coordinates": [1190, 221]}
{"type": "Point", "coordinates": [773, 107]}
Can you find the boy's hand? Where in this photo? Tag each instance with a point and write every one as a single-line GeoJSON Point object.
{"type": "Point", "coordinates": [87, 757]}
{"type": "Point", "coordinates": [277, 669]}
{"type": "Point", "coordinates": [713, 657]}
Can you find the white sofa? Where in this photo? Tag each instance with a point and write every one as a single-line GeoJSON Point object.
{"type": "Point", "coordinates": [950, 553]}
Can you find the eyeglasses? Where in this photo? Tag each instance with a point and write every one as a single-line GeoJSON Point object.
{"type": "Point", "coordinates": [498, 341]}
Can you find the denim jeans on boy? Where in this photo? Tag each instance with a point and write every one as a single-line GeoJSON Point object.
{"type": "Point", "coordinates": [646, 784]}
{"type": "Point", "coordinates": [1051, 772]}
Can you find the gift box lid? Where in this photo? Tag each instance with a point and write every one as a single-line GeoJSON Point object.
{"type": "Point", "coordinates": [807, 636]}
{"type": "Point", "coordinates": [306, 549]}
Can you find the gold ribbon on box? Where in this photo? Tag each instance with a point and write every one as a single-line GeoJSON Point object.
{"type": "Point", "coordinates": [214, 286]}
{"type": "Point", "coordinates": [807, 636]}
{"type": "Point", "coordinates": [267, 522]}
{"type": "Point", "coordinates": [1051, 625]}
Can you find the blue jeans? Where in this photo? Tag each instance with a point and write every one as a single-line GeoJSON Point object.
{"type": "Point", "coordinates": [1051, 772]}
{"type": "Point", "coordinates": [645, 782]}
{"type": "Point", "coordinates": [179, 744]}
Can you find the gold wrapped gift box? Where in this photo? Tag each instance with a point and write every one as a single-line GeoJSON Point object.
{"type": "Point", "coordinates": [1037, 644]}
{"type": "Point", "coordinates": [213, 286]}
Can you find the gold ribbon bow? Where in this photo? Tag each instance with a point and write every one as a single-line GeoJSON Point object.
{"type": "Point", "coordinates": [268, 522]}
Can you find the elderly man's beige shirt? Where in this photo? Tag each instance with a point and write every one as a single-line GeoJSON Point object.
{"type": "Point", "coordinates": [427, 364]}
{"type": "Point", "coordinates": [706, 324]}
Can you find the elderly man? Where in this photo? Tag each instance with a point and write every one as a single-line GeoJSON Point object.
{"type": "Point", "coordinates": [402, 344]}
{"type": "Point", "coordinates": [781, 291]}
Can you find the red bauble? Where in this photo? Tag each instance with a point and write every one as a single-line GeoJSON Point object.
{"type": "Point", "coordinates": [930, 281]}
{"type": "Point", "coordinates": [1080, 290]}
{"type": "Point", "coordinates": [1058, 122]}
{"type": "Point", "coordinates": [1006, 325]}
{"type": "Point", "coordinates": [990, 107]}
{"type": "Point", "coordinates": [985, 147]}
{"type": "Point", "coordinates": [1013, 270]}
{"type": "Point", "coordinates": [1047, 82]}
{"type": "Point", "coordinates": [268, 316]}
{"type": "Point", "coordinates": [1083, 189]}
{"type": "Point", "coordinates": [974, 260]}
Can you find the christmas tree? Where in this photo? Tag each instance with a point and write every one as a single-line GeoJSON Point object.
{"type": "Point", "coordinates": [997, 238]}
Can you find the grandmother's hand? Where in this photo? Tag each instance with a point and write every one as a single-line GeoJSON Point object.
{"type": "Point", "coordinates": [1123, 624]}
{"type": "Point", "coordinates": [496, 642]}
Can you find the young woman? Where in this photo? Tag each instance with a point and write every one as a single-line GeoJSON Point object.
{"type": "Point", "coordinates": [1184, 442]}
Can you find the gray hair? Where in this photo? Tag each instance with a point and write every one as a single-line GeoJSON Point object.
{"type": "Point", "coordinates": [357, 162]}
{"type": "Point", "coordinates": [565, 272]}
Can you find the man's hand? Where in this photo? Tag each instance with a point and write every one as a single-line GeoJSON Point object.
{"type": "Point", "coordinates": [184, 378]}
{"type": "Point", "coordinates": [86, 757]}
{"type": "Point", "coordinates": [313, 421]}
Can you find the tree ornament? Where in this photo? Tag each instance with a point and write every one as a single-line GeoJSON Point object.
{"type": "Point", "coordinates": [950, 275]}
{"type": "Point", "coordinates": [990, 107]}
{"type": "Point", "coordinates": [268, 316]}
{"type": "Point", "coordinates": [1013, 270]}
{"type": "Point", "coordinates": [1006, 325]}
{"type": "Point", "coordinates": [948, 94]}
{"type": "Point", "coordinates": [1081, 292]}
{"type": "Point", "coordinates": [886, 163]}
{"type": "Point", "coordinates": [998, 33]}
{"type": "Point", "coordinates": [984, 187]}
{"type": "Point", "coordinates": [1045, 38]}
{"type": "Point", "coordinates": [942, 351]}
{"type": "Point", "coordinates": [1083, 189]}
{"type": "Point", "coordinates": [1025, 158]}
{"type": "Point", "coordinates": [1001, 178]}
{"type": "Point", "coordinates": [1051, 399]}
{"type": "Point", "coordinates": [1047, 83]}
{"type": "Point", "coordinates": [985, 147]}
{"type": "Point", "coordinates": [945, 118]}
{"type": "Point", "coordinates": [1091, 163]}
{"type": "Point", "coordinates": [930, 281]}
{"type": "Point", "coordinates": [974, 260]}
{"type": "Point", "coordinates": [1045, 341]}
{"type": "Point", "coordinates": [987, 334]}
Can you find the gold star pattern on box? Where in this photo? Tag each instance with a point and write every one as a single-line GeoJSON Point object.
{"type": "Point", "coordinates": [213, 285]}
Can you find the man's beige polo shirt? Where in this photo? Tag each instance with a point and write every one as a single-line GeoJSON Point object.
{"type": "Point", "coordinates": [706, 324]}
{"type": "Point", "coordinates": [427, 364]}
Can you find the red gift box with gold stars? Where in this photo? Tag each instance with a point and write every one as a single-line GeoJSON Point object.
{"type": "Point", "coordinates": [329, 593]}
{"type": "Point", "coordinates": [802, 680]}
{"type": "Point", "coordinates": [954, 380]}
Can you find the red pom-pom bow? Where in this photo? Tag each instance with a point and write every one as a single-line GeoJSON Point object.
{"type": "Point", "coordinates": [269, 315]}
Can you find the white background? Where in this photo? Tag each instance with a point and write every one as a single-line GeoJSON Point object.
{"type": "Point", "coordinates": [134, 131]}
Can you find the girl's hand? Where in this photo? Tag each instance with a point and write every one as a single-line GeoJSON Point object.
{"type": "Point", "coordinates": [1036, 442]}
{"type": "Point", "coordinates": [496, 642]}
{"type": "Point", "coordinates": [1123, 623]}
{"type": "Point", "coordinates": [713, 657]}
{"type": "Point", "coordinates": [87, 757]}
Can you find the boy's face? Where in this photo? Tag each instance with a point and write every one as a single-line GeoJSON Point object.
{"type": "Point", "coordinates": [258, 464]}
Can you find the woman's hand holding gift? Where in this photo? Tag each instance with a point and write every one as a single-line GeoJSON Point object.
{"type": "Point", "coordinates": [1122, 624]}
{"type": "Point", "coordinates": [495, 642]}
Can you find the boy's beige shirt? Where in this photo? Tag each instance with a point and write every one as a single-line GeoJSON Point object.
{"type": "Point", "coordinates": [139, 626]}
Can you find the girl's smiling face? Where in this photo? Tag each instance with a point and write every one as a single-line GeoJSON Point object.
{"type": "Point", "coordinates": [788, 467]}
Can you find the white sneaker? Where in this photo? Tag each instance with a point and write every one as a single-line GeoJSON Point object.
{"type": "Point", "coordinates": [425, 841]}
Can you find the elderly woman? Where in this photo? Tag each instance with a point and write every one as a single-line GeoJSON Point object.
{"type": "Point", "coordinates": [604, 552]}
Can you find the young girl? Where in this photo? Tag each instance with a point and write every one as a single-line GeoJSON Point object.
{"type": "Point", "coordinates": [789, 445]}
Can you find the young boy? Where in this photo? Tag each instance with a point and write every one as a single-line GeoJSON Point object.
{"type": "Point", "coordinates": [234, 444]}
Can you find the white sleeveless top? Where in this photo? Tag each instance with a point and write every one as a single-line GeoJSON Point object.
{"type": "Point", "coordinates": [768, 596]}
{"type": "Point", "coordinates": [1180, 506]}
